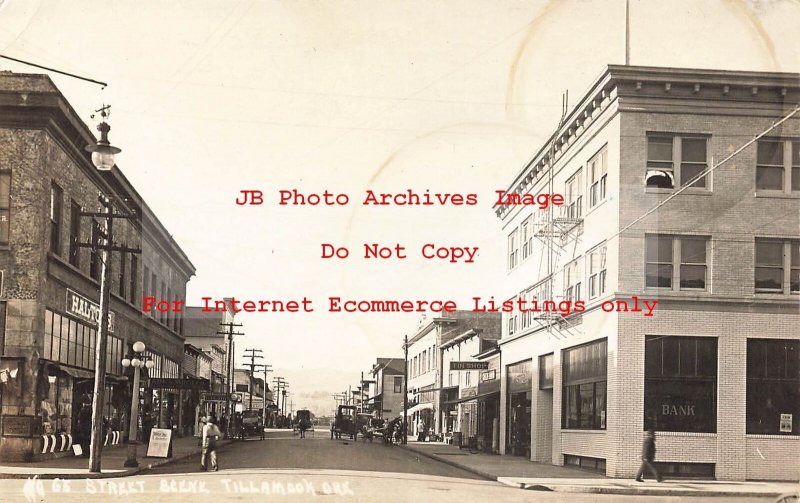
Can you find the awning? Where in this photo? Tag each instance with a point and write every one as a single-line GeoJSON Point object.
{"type": "Point", "coordinates": [420, 406]}
{"type": "Point", "coordinates": [473, 397]}
{"type": "Point", "coordinates": [77, 373]}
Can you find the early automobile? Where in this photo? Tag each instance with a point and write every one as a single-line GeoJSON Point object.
{"type": "Point", "coordinates": [252, 424]}
{"type": "Point", "coordinates": [345, 422]}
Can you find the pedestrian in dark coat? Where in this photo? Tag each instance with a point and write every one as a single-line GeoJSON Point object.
{"type": "Point", "coordinates": [648, 455]}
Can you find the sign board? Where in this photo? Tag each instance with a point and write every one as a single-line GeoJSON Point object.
{"type": "Point", "coordinates": [85, 309]}
{"type": "Point", "coordinates": [77, 449]}
{"type": "Point", "coordinates": [786, 423]}
{"type": "Point", "coordinates": [183, 383]}
{"type": "Point", "coordinates": [18, 426]}
{"type": "Point", "coordinates": [469, 365]}
{"type": "Point", "coordinates": [214, 397]}
{"type": "Point", "coordinates": [158, 447]}
{"type": "Point", "coordinates": [489, 375]}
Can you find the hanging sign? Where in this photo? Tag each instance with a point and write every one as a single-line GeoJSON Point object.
{"type": "Point", "coordinates": [85, 309]}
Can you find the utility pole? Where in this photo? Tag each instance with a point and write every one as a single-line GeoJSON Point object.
{"type": "Point", "coordinates": [280, 389]}
{"type": "Point", "coordinates": [405, 389]}
{"type": "Point", "coordinates": [361, 391]}
{"type": "Point", "coordinates": [229, 366]}
{"type": "Point", "coordinates": [105, 245]}
{"type": "Point", "coordinates": [254, 353]}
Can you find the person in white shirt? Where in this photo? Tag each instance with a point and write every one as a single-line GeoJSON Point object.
{"type": "Point", "coordinates": [211, 436]}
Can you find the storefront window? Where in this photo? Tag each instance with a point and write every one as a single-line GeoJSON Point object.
{"type": "Point", "coordinates": [584, 398]}
{"type": "Point", "coordinates": [680, 384]}
{"type": "Point", "coordinates": [519, 388]}
{"type": "Point", "coordinates": [546, 371]}
{"type": "Point", "coordinates": [773, 386]}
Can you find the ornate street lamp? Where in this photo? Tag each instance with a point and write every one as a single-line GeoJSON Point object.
{"type": "Point", "coordinates": [138, 361]}
{"type": "Point", "coordinates": [103, 152]}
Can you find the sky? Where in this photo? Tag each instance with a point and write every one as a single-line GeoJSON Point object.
{"type": "Point", "coordinates": [211, 98]}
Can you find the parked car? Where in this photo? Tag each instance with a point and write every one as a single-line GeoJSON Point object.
{"type": "Point", "coordinates": [345, 422]}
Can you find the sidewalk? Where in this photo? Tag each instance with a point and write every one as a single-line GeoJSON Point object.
{"type": "Point", "coordinates": [524, 474]}
{"type": "Point", "coordinates": [113, 459]}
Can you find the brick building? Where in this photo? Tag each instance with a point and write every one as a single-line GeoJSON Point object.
{"type": "Point", "coordinates": [715, 369]}
{"type": "Point", "coordinates": [50, 286]}
{"type": "Point", "coordinates": [426, 370]}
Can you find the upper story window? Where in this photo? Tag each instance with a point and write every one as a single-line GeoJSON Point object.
{"type": "Point", "coordinates": [572, 280]}
{"type": "Point", "coordinates": [123, 265]}
{"type": "Point", "coordinates": [134, 278]}
{"type": "Point", "coordinates": [777, 266]}
{"type": "Point", "coordinates": [526, 237]}
{"type": "Point", "coordinates": [398, 384]}
{"type": "Point", "coordinates": [513, 249]}
{"type": "Point", "coordinates": [674, 161]}
{"type": "Point", "coordinates": [596, 265]}
{"type": "Point", "coordinates": [676, 261]}
{"type": "Point", "coordinates": [5, 206]}
{"type": "Point", "coordinates": [597, 173]}
{"type": "Point", "coordinates": [574, 195]}
{"type": "Point", "coordinates": [56, 202]}
{"type": "Point", "coordinates": [94, 260]}
{"type": "Point", "coordinates": [74, 233]}
{"type": "Point", "coordinates": [778, 165]}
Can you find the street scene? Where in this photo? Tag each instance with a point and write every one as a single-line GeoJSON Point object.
{"type": "Point", "coordinates": [523, 250]}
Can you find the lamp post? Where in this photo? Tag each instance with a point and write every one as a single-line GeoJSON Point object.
{"type": "Point", "coordinates": [103, 159]}
{"type": "Point", "coordinates": [138, 361]}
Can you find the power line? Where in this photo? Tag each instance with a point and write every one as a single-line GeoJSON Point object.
{"type": "Point", "coordinates": [54, 70]}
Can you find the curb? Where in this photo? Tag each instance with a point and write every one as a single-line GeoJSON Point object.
{"type": "Point", "coordinates": [633, 491]}
{"type": "Point", "coordinates": [107, 475]}
{"type": "Point", "coordinates": [446, 461]}
{"type": "Point", "coordinates": [625, 491]}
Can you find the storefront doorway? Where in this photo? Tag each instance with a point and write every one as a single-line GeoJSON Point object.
{"type": "Point", "coordinates": [519, 394]}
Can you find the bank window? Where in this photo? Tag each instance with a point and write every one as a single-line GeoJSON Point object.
{"type": "Point", "coordinates": [674, 160]}
{"type": "Point", "coordinates": [777, 266]}
{"type": "Point", "coordinates": [574, 195]}
{"type": "Point", "coordinates": [680, 383]}
{"type": "Point", "coordinates": [584, 390]}
{"type": "Point", "coordinates": [74, 233]}
{"type": "Point", "coordinates": [56, 202]}
{"type": "Point", "coordinates": [597, 173]}
{"type": "Point", "coordinates": [513, 249]}
{"type": "Point", "coordinates": [546, 371]}
{"type": "Point", "coordinates": [526, 237]}
{"type": "Point", "coordinates": [773, 386]}
{"type": "Point", "coordinates": [596, 263]}
{"type": "Point", "coordinates": [778, 165]}
{"type": "Point", "coordinates": [572, 280]}
{"type": "Point", "coordinates": [676, 261]}
{"type": "Point", "coordinates": [5, 206]}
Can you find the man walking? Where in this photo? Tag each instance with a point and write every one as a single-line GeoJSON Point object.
{"type": "Point", "coordinates": [211, 436]}
{"type": "Point", "coordinates": [648, 455]}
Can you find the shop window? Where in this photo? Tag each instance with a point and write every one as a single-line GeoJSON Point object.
{"type": "Point", "coordinates": [584, 390]}
{"type": "Point", "coordinates": [773, 386]}
{"type": "Point", "coordinates": [5, 206]}
{"type": "Point", "coordinates": [519, 394]}
{"type": "Point", "coordinates": [74, 233]}
{"type": "Point", "coordinates": [546, 371]}
{"type": "Point", "coordinates": [56, 202]}
{"type": "Point", "coordinates": [777, 266]}
{"type": "Point", "coordinates": [680, 384]}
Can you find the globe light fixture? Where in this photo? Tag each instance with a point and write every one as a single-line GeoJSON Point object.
{"type": "Point", "coordinates": [102, 151]}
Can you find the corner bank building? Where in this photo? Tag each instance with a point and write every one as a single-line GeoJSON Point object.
{"type": "Point", "coordinates": [50, 288]}
{"type": "Point", "coordinates": [716, 369]}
